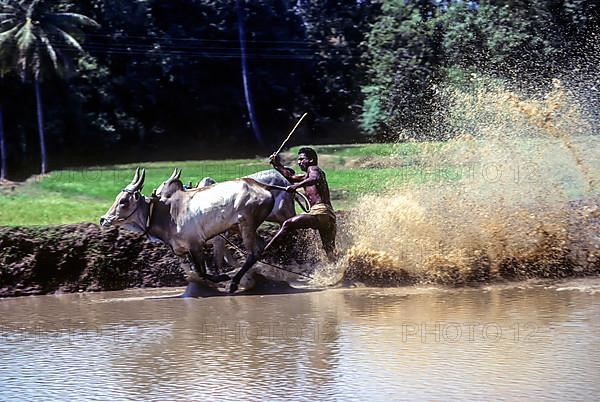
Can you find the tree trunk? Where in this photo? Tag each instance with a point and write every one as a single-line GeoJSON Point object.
{"type": "Point", "coordinates": [3, 154]}
{"type": "Point", "coordinates": [40, 119]}
{"type": "Point", "coordinates": [247, 93]}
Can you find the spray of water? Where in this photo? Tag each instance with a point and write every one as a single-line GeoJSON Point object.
{"type": "Point", "coordinates": [512, 195]}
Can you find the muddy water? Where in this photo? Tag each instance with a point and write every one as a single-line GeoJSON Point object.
{"type": "Point", "coordinates": [533, 339]}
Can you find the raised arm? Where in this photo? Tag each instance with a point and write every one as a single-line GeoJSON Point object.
{"type": "Point", "coordinates": [275, 162]}
{"type": "Point", "coordinates": [310, 179]}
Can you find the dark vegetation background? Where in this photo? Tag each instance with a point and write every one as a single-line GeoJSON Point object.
{"type": "Point", "coordinates": [162, 79]}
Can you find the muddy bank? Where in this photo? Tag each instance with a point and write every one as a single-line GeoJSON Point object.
{"type": "Point", "coordinates": [81, 257]}
{"type": "Point", "coordinates": [84, 257]}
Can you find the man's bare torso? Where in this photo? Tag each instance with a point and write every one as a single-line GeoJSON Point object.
{"type": "Point", "coordinates": [318, 192]}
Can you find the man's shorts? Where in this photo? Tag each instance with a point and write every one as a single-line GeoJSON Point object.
{"type": "Point", "coordinates": [321, 209]}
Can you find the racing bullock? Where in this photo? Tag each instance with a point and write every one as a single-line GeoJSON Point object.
{"type": "Point", "coordinates": [187, 219]}
{"type": "Point", "coordinates": [282, 210]}
{"type": "Point", "coordinates": [283, 207]}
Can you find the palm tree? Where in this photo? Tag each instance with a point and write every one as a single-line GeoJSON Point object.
{"type": "Point", "coordinates": [4, 68]}
{"type": "Point", "coordinates": [246, 83]}
{"type": "Point", "coordinates": [41, 36]}
{"type": "Point", "coordinates": [3, 154]}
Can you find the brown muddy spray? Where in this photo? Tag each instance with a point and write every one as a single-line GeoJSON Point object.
{"type": "Point", "coordinates": [494, 202]}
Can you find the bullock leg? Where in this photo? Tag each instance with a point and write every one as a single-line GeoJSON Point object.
{"type": "Point", "coordinates": [284, 208]}
{"type": "Point", "coordinates": [235, 282]}
{"type": "Point", "coordinates": [219, 251]}
{"type": "Point", "coordinates": [250, 238]}
{"type": "Point", "coordinates": [197, 259]}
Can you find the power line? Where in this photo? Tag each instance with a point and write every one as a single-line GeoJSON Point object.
{"type": "Point", "coordinates": [208, 53]}
{"type": "Point", "coordinates": [192, 48]}
{"type": "Point", "coordinates": [142, 46]}
{"type": "Point", "coordinates": [171, 38]}
{"type": "Point", "coordinates": [141, 51]}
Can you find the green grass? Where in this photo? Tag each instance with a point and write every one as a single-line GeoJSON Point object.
{"type": "Point", "coordinates": [104, 183]}
{"type": "Point", "coordinates": [47, 209]}
{"type": "Point", "coordinates": [83, 195]}
{"type": "Point", "coordinates": [342, 154]}
{"type": "Point", "coordinates": [369, 150]}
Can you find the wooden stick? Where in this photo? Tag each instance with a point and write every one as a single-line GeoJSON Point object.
{"type": "Point", "coordinates": [289, 135]}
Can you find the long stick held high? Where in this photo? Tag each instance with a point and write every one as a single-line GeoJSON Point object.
{"type": "Point", "coordinates": [290, 134]}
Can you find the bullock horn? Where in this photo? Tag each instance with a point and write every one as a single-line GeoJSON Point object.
{"type": "Point", "coordinates": [136, 177]}
{"type": "Point", "coordinates": [133, 185]}
{"type": "Point", "coordinates": [175, 175]}
{"type": "Point", "coordinates": [140, 184]}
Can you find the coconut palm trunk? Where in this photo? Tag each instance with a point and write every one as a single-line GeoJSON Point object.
{"type": "Point", "coordinates": [40, 121]}
{"type": "Point", "coordinates": [244, 61]}
{"type": "Point", "coordinates": [3, 154]}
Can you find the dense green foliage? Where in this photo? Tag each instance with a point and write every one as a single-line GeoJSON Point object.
{"type": "Point", "coordinates": [163, 80]}
{"type": "Point", "coordinates": [413, 47]}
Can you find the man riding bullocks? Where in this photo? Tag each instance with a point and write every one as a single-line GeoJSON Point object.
{"type": "Point", "coordinates": [321, 215]}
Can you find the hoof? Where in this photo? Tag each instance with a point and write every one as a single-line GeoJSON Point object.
{"type": "Point", "coordinates": [233, 287]}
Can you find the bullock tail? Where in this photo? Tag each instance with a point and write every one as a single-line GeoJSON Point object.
{"type": "Point", "coordinates": [302, 201]}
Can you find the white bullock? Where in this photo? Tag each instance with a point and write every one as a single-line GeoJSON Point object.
{"type": "Point", "coordinates": [185, 220]}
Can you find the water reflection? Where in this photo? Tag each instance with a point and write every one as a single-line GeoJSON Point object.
{"type": "Point", "coordinates": [234, 347]}
{"type": "Point", "coordinates": [534, 340]}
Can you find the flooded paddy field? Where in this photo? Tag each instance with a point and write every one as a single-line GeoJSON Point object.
{"type": "Point", "coordinates": [536, 339]}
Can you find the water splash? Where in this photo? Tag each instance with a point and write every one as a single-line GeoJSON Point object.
{"type": "Point", "coordinates": [512, 195]}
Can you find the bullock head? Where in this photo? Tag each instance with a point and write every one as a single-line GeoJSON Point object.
{"type": "Point", "coordinates": [169, 187]}
{"type": "Point", "coordinates": [129, 206]}
{"type": "Point", "coordinates": [205, 182]}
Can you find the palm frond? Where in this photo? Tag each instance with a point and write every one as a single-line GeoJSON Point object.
{"type": "Point", "coordinates": [69, 40]}
{"type": "Point", "coordinates": [22, 62]}
{"type": "Point", "coordinates": [7, 42]}
{"type": "Point", "coordinates": [12, 7]}
{"type": "Point", "coordinates": [43, 28]}
{"type": "Point", "coordinates": [73, 19]}
{"type": "Point", "coordinates": [35, 66]}
{"type": "Point", "coordinates": [8, 21]}
{"type": "Point", "coordinates": [8, 35]}
{"type": "Point", "coordinates": [25, 37]}
{"type": "Point", "coordinates": [49, 48]}
{"type": "Point", "coordinates": [37, 7]}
